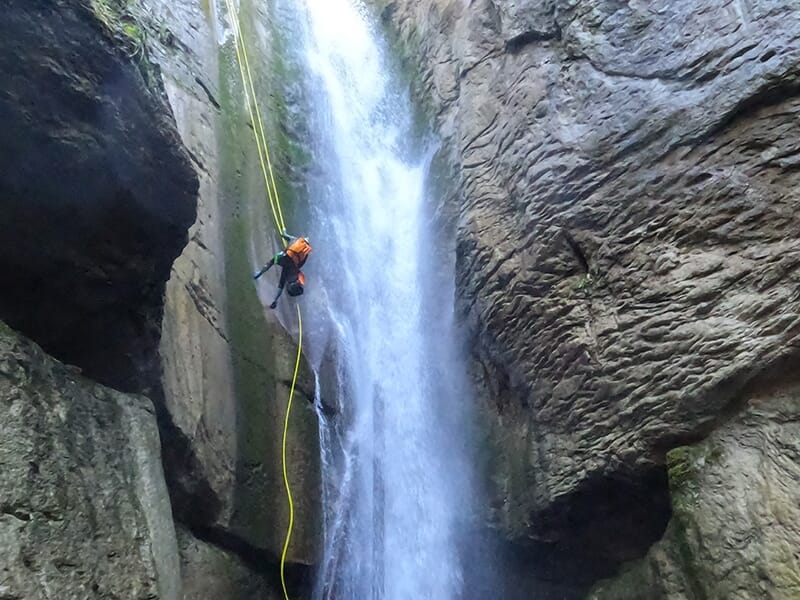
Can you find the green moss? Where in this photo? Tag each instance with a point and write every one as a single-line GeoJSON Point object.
{"type": "Point", "coordinates": [118, 19]}
{"type": "Point", "coordinates": [584, 285]}
{"type": "Point", "coordinates": [679, 546]}
{"type": "Point", "coordinates": [137, 38]}
{"type": "Point", "coordinates": [205, 6]}
{"type": "Point", "coordinates": [249, 337]}
{"type": "Point", "coordinates": [685, 464]}
{"type": "Point", "coordinates": [679, 463]}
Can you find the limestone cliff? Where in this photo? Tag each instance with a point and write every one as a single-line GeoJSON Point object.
{"type": "Point", "coordinates": [736, 501]}
{"type": "Point", "coordinates": [84, 510]}
{"type": "Point", "coordinates": [627, 211]}
{"type": "Point", "coordinates": [228, 360]}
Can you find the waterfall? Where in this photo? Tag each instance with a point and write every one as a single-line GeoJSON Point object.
{"type": "Point", "coordinates": [396, 483]}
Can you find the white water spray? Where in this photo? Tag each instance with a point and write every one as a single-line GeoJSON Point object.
{"type": "Point", "coordinates": [396, 484]}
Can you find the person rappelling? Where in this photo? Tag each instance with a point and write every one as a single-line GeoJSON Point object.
{"type": "Point", "coordinates": [290, 261]}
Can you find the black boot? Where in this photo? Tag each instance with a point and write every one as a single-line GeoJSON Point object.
{"type": "Point", "coordinates": [275, 302]}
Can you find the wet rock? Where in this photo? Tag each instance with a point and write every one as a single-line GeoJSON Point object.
{"type": "Point", "coordinates": [226, 359]}
{"type": "Point", "coordinates": [84, 509]}
{"type": "Point", "coordinates": [627, 240]}
{"type": "Point", "coordinates": [91, 91]}
{"type": "Point", "coordinates": [96, 191]}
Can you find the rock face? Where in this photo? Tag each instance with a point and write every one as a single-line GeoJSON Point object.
{"type": "Point", "coordinates": [627, 241]}
{"type": "Point", "coordinates": [209, 572]}
{"type": "Point", "coordinates": [96, 192]}
{"type": "Point", "coordinates": [227, 361]}
{"type": "Point", "coordinates": [737, 511]}
{"type": "Point", "coordinates": [84, 510]}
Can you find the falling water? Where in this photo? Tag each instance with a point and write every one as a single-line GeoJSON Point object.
{"type": "Point", "coordinates": [396, 483]}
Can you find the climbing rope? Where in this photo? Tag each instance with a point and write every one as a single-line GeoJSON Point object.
{"type": "Point", "coordinates": [254, 111]}
{"type": "Point", "coordinates": [277, 214]}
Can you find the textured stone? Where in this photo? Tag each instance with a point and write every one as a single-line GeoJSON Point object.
{"type": "Point", "coordinates": [736, 498]}
{"type": "Point", "coordinates": [84, 509]}
{"type": "Point", "coordinates": [96, 190]}
{"type": "Point", "coordinates": [627, 238]}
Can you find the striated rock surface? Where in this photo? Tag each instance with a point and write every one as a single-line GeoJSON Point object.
{"type": "Point", "coordinates": [627, 241]}
{"type": "Point", "coordinates": [84, 510]}
{"type": "Point", "coordinates": [96, 191]}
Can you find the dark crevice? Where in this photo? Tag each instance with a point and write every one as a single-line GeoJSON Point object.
{"type": "Point", "coordinates": [328, 409]}
{"type": "Point", "coordinates": [518, 42]}
{"type": "Point", "coordinates": [18, 513]}
{"type": "Point", "coordinates": [765, 57]}
{"type": "Point", "coordinates": [512, 573]}
{"type": "Point", "coordinates": [578, 540]}
{"type": "Point", "coordinates": [589, 534]}
{"type": "Point", "coordinates": [577, 251]}
{"type": "Point", "coordinates": [388, 12]}
{"type": "Point", "coordinates": [195, 506]}
{"type": "Point", "coordinates": [193, 499]}
{"type": "Point", "coordinates": [209, 94]}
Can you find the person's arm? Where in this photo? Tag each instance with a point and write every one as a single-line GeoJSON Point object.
{"type": "Point", "coordinates": [268, 266]}
{"type": "Point", "coordinates": [287, 237]}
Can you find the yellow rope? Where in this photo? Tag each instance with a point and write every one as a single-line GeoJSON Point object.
{"type": "Point", "coordinates": [283, 453]}
{"type": "Point", "coordinates": [255, 120]}
{"type": "Point", "coordinates": [263, 138]}
{"type": "Point", "coordinates": [277, 214]}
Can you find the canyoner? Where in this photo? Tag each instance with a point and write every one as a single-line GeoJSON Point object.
{"type": "Point", "coordinates": [291, 259]}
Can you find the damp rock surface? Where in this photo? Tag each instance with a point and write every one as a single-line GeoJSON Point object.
{"type": "Point", "coordinates": [735, 501]}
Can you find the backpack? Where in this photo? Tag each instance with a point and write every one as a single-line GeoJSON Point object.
{"type": "Point", "coordinates": [295, 288]}
{"type": "Point", "coordinates": [298, 251]}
